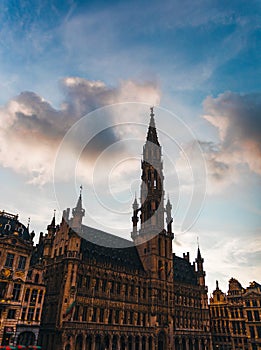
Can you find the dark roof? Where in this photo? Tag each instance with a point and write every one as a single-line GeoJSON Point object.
{"type": "Point", "coordinates": [107, 248]}
{"type": "Point", "coordinates": [10, 226]}
{"type": "Point", "coordinates": [104, 239]}
{"type": "Point", "coordinates": [183, 271]}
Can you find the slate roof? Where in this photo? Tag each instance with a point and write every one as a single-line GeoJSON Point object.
{"type": "Point", "coordinates": [104, 239]}
{"type": "Point", "coordinates": [10, 225]}
{"type": "Point", "coordinates": [183, 271]}
{"type": "Point", "coordinates": [107, 248]}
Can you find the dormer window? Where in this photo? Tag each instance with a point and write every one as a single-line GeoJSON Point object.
{"type": "Point", "coordinates": [7, 227]}
{"type": "Point", "coordinates": [21, 230]}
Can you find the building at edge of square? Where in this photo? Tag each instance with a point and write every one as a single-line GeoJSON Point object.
{"type": "Point", "coordinates": [138, 296]}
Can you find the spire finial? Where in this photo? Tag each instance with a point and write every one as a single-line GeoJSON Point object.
{"type": "Point", "coordinates": [81, 190]}
{"type": "Point", "coordinates": [152, 133]}
{"type": "Point", "coordinates": [28, 223]}
{"type": "Point", "coordinates": [198, 242]}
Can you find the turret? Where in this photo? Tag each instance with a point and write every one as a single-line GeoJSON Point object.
{"type": "Point", "coordinates": [48, 239]}
{"type": "Point", "coordinates": [77, 214]}
{"type": "Point", "coordinates": [169, 219]}
{"type": "Point", "coordinates": [200, 270]}
{"type": "Point", "coordinates": [135, 218]}
{"type": "Point", "coordinates": [51, 228]}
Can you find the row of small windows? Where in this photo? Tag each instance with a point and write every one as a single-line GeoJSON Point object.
{"type": "Point", "coordinates": [30, 314]}
{"type": "Point", "coordinates": [254, 303]}
{"type": "Point", "coordinates": [188, 319]}
{"type": "Point", "coordinates": [218, 312]}
{"type": "Point", "coordinates": [15, 292]}
{"type": "Point", "coordinates": [255, 332]}
{"type": "Point", "coordinates": [235, 313]}
{"type": "Point", "coordinates": [114, 288]}
{"type": "Point", "coordinates": [30, 295]}
{"type": "Point", "coordinates": [253, 316]}
{"type": "Point", "coordinates": [8, 227]}
{"type": "Point", "coordinates": [221, 326]}
{"type": "Point", "coordinates": [113, 316]}
{"type": "Point", "coordinates": [187, 301]}
{"type": "Point", "coordinates": [10, 261]}
{"type": "Point", "coordinates": [33, 296]}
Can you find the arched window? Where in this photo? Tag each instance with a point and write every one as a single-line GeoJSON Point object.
{"type": "Point", "coordinates": [98, 342]}
{"type": "Point", "coordinates": [26, 338]}
{"type": "Point", "coordinates": [130, 341]}
{"type": "Point", "coordinates": [79, 342]}
{"type": "Point", "coordinates": [36, 278]}
{"type": "Point", "coordinates": [89, 342]}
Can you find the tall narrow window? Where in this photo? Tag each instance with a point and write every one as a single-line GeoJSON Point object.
{"type": "Point", "coordinates": [101, 315]}
{"type": "Point", "coordinates": [94, 314]}
{"type": "Point", "coordinates": [37, 314]}
{"type": "Point", "coordinates": [11, 314]}
{"type": "Point", "coordinates": [117, 316]}
{"type": "Point", "coordinates": [110, 317]}
{"type": "Point", "coordinates": [27, 293]}
{"type": "Point", "coordinates": [112, 287]}
{"type": "Point", "coordinates": [23, 314]}
{"type": "Point", "coordinates": [21, 263]}
{"type": "Point", "coordinates": [16, 291]}
{"type": "Point", "coordinates": [33, 297]}
{"type": "Point", "coordinates": [256, 314]}
{"type": "Point", "coordinates": [3, 288]}
{"type": "Point", "coordinates": [104, 285]}
{"type": "Point", "coordinates": [9, 260]}
{"type": "Point", "coordinates": [40, 297]}
{"type": "Point", "coordinates": [30, 314]}
{"type": "Point", "coordinates": [84, 313]}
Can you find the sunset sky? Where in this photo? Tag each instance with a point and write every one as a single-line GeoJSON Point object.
{"type": "Point", "coordinates": [78, 71]}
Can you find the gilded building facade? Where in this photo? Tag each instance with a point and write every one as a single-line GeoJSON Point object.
{"type": "Point", "coordinates": [105, 292]}
{"type": "Point", "coordinates": [21, 283]}
{"type": "Point", "coordinates": [236, 317]}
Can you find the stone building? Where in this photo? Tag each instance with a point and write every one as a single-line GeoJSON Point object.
{"type": "Point", "coordinates": [105, 292]}
{"type": "Point", "coordinates": [21, 283]}
{"type": "Point", "coordinates": [236, 317]}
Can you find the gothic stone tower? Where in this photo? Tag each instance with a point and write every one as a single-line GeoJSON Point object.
{"type": "Point", "coordinates": [153, 241]}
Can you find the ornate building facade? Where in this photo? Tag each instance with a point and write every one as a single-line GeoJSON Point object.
{"type": "Point", "coordinates": [21, 283]}
{"type": "Point", "coordinates": [138, 296]}
{"type": "Point", "coordinates": [236, 317]}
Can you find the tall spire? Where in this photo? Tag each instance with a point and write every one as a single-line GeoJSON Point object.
{"type": "Point", "coordinates": [153, 241]}
{"type": "Point", "coordinates": [152, 132]}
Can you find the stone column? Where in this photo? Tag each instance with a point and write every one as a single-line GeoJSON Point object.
{"type": "Point", "coordinates": [147, 344]}
{"type": "Point", "coordinates": [187, 344]}
{"type": "Point", "coordinates": [84, 342]}
{"type": "Point", "coordinates": [93, 342]}
{"type": "Point", "coordinates": [110, 343]}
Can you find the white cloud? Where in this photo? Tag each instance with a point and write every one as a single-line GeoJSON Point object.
{"type": "Point", "coordinates": [32, 129]}
{"type": "Point", "coordinates": [238, 122]}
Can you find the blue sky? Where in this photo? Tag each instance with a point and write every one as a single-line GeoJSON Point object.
{"type": "Point", "coordinates": [198, 60]}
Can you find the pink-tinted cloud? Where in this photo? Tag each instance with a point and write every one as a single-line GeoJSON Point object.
{"type": "Point", "coordinates": [237, 118]}
{"type": "Point", "coordinates": [32, 129]}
